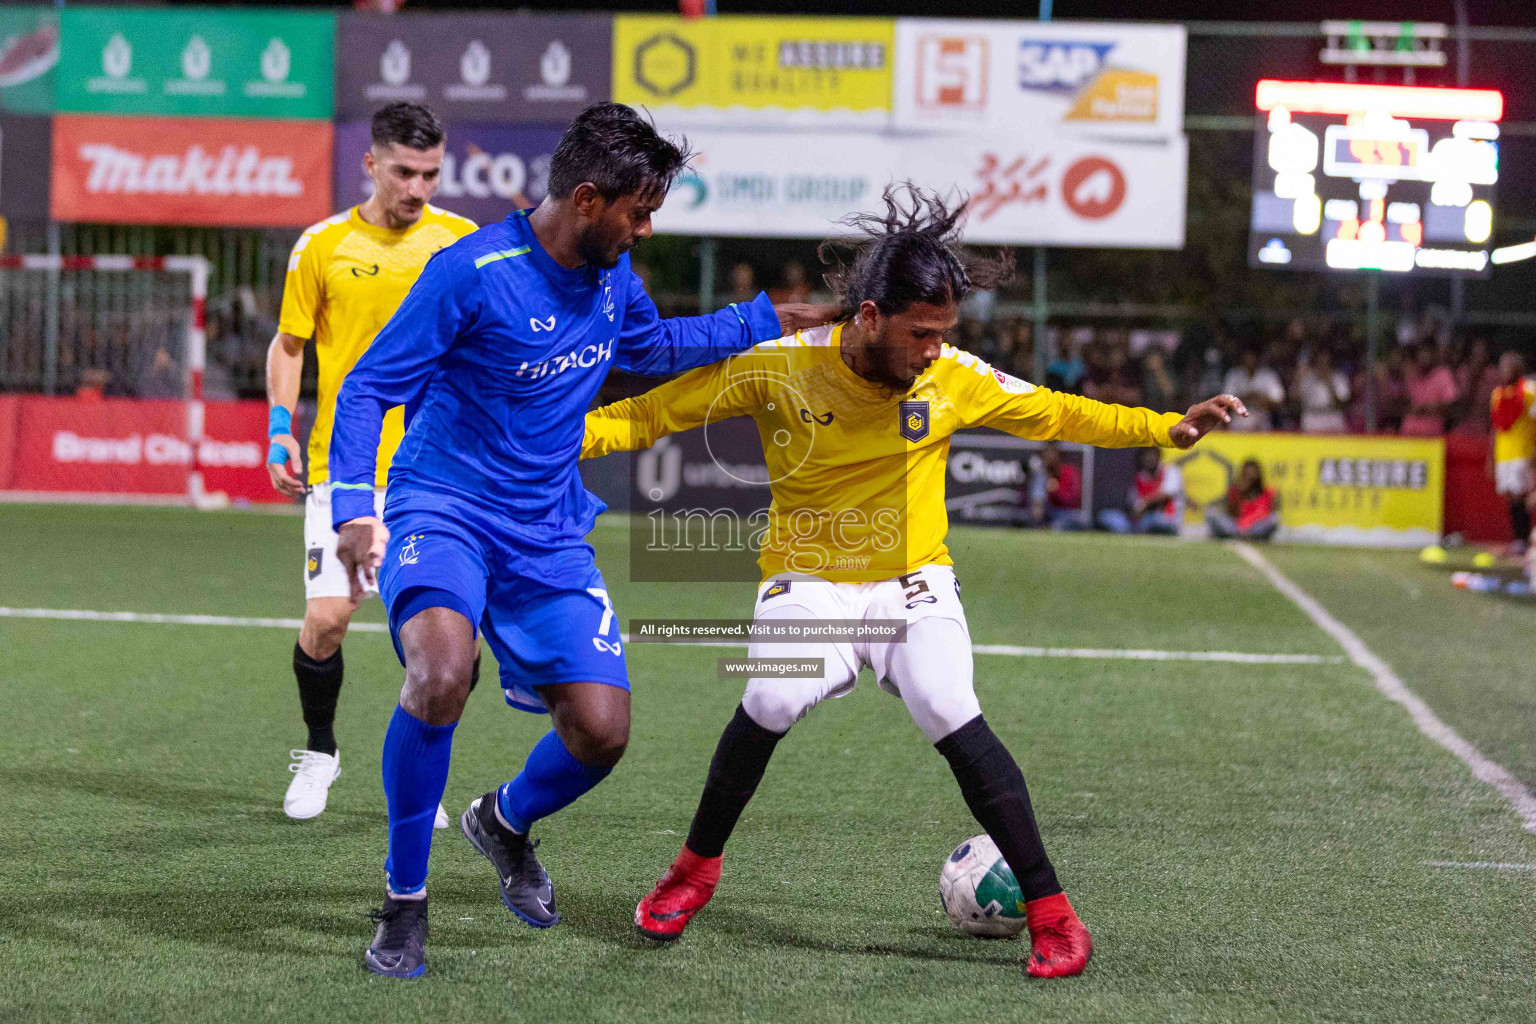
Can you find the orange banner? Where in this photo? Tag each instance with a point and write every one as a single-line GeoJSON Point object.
{"type": "Point", "coordinates": [207, 171]}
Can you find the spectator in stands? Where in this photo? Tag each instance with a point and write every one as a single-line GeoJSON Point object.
{"type": "Point", "coordinates": [1476, 378]}
{"type": "Point", "coordinates": [162, 378]}
{"type": "Point", "coordinates": [1260, 389]}
{"type": "Point", "coordinates": [1159, 392]}
{"type": "Point", "coordinates": [741, 283]}
{"type": "Point", "coordinates": [1055, 491]}
{"type": "Point", "coordinates": [1067, 370]}
{"type": "Point", "coordinates": [796, 286]}
{"type": "Point", "coordinates": [1391, 394]}
{"type": "Point", "coordinates": [1321, 392]}
{"type": "Point", "coordinates": [1250, 511]}
{"type": "Point", "coordinates": [93, 384]}
{"type": "Point", "coordinates": [1156, 499]}
{"type": "Point", "coordinates": [1431, 392]}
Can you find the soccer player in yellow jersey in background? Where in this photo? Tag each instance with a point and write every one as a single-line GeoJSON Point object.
{"type": "Point", "coordinates": [1510, 460]}
{"type": "Point", "coordinates": [855, 420]}
{"type": "Point", "coordinates": [346, 277]}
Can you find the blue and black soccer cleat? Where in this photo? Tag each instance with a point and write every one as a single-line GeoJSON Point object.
{"type": "Point", "coordinates": [399, 947]}
{"type": "Point", "coordinates": [525, 887]}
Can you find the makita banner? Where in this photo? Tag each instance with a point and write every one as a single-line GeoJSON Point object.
{"type": "Point", "coordinates": [218, 172]}
{"type": "Point", "coordinates": [525, 68]}
{"type": "Point", "coordinates": [131, 448]}
{"type": "Point", "coordinates": [24, 153]}
{"type": "Point", "coordinates": [488, 170]}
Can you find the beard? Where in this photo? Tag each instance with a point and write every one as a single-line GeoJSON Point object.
{"type": "Point", "coordinates": [593, 249]}
{"type": "Point", "coordinates": [887, 365]}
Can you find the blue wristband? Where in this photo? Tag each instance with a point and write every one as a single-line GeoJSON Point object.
{"type": "Point", "coordinates": [277, 455]}
{"type": "Point", "coordinates": [279, 421]}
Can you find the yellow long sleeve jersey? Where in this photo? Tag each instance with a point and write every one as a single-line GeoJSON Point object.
{"type": "Point", "coordinates": [857, 472]}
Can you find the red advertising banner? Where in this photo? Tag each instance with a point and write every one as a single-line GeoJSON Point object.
{"type": "Point", "coordinates": [130, 447]}
{"type": "Point", "coordinates": [235, 172]}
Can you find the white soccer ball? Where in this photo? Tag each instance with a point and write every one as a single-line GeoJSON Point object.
{"type": "Point", "coordinates": [981, 896]}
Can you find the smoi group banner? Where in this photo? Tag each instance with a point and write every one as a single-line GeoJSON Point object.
{"type": "Point", "coordinates": [1378, 491]}
{"type": "Point", "coordinates": [474, 67]}
{"type": "Point", "coordinates": [766, 70]}
{"type": "Point", "coordinates": [1103, 79]}
{"type": "Point", "coordinates": [213, 171]}
{"type": "Point", "coordinates": [29, 52]}
{"type": "Point", "coordinates": [488, 170]}
{"type": "Point", "coordinates": [203, 62]}
{"type": "Point", "coordinates": [1021, 189]}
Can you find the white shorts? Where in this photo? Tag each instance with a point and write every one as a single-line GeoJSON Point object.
{"type": "Point", "coordinates": [1512, 477]}
{"type": "Point", "coordinates": [323, 574]}
{"type": "Point", "coordinates": [931, 671]}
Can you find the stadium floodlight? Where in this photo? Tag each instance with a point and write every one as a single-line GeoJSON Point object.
{"type": "Point", "coordinates": [1407, 101]}
{"type": "Point", "coordinates": [197, 270]}
{"type": "Point", "coordinates": [1513, 253]}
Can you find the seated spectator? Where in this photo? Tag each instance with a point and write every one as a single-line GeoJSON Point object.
{"type": "Point", "coordinates": [796, 286]}
{"type": "Point", "coordinates": [1156, 498]}
{"type": "Point", "coordinates": [1250, 511]}
{"type": "Point", "coordinates": [1431, 392]}
{"type": "Point", "coordinates": [1055, 492]}
{"type": "Point", "coordinates": [1067, 370]}
{"type": "Point", "coordinates": [1321, 392]}
{"type": "Point", "coordinates": [93, 384]}
{"type": "Point", "coordinates": [1391, 394]}
{"type": "Point", "coordinates": [1259, 388]}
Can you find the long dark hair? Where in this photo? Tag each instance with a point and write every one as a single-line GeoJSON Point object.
{"type": "Point", "coordinates": [910, 253]}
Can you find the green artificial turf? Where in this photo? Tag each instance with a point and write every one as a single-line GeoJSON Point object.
{"type": "Point", "coordinates": [1247, 842]}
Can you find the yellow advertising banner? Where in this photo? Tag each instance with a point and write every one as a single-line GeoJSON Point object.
{"type": "Point", "coordinates": [797, 70]}
{"type": "Point", "coordinates": [1378, 491]}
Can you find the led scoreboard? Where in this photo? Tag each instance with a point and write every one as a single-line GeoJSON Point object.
{"type": "Point", "coordinates": [1374, 177]}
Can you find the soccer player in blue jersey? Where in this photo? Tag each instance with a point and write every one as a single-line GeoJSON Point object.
{"type": "Point", "coordinates": [496, 354]}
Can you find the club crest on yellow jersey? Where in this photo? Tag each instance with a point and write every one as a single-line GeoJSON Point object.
{"type": "Point", "coordinates": [914, 420]}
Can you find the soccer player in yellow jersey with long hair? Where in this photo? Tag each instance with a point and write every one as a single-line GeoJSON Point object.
{"type": "Point", "coordinates": [855, 420]}
{"type": "Point", "coordinates": [346, 277]}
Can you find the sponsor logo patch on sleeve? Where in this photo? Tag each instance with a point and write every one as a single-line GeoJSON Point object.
{"type": "Point", "coordinates": [1012, 384]}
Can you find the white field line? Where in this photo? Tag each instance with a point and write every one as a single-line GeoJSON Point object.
{"type": "Point", "coordinates": [1006, 650]}
{"type": "Point", "coordinates": [1490, 864]}
{"type": "Point", "coordinates": [1393, 688]}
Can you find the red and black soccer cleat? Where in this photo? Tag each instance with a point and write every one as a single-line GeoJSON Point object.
{"type": "Point", "coordinates": [681, 893]}
{"type": "Point", "coordinates": [1060, 943]}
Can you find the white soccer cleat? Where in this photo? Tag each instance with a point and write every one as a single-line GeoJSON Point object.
{"type": "Point", "coordinates": [441, 821]}
{"type": "Point", "coordinates": [313, 773]}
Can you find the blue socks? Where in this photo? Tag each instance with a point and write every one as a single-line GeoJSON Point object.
{"type": "Point", "coordinates": [415, 769]}
{"type": "Point", "coordinates": [551, 778]}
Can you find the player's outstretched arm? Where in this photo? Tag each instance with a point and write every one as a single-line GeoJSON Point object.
{"type": "Point", "coordinates": [654, 347]}
{"type": "Point", "coordinates": [709, 393]}
{"type": "Point", "coordinates": [1204, 418]}
{"type": "Point", "coordinates": [998, 400]}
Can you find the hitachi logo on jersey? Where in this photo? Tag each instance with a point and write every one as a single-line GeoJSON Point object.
{"type": "Point", "coordinates": [589, 356]}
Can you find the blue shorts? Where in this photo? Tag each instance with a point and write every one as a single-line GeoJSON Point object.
{"type": "Point", "coordinates": [544, 611]}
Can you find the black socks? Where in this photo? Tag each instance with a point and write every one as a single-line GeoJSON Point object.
{"type": "Point", "coordinates": [319, 687]}
{"type": "Point", "coordinates": [994, 790]}
{"type": "Point", "coordinates": [1519, 519]}
{"type": "Point", "coordinates": [737, 767]}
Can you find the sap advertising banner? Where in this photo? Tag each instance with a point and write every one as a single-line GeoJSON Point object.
{"type": "Point", "coordinates": [488, 170]}
{"type": "Point", "coordinates": [525, 68]}
{"type": "Point", "coordinates": [1109, 79]}
{"type": "Point", "coordinates": [1032, 190]}
{"type": "Point", "coordinates": [220, 172]}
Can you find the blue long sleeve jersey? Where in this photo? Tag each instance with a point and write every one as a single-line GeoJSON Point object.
{"type": "Point", "coordinates": [496, 354]}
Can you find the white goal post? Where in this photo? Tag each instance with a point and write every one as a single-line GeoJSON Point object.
{"type": "Point", "coordinates": [197, 270]}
